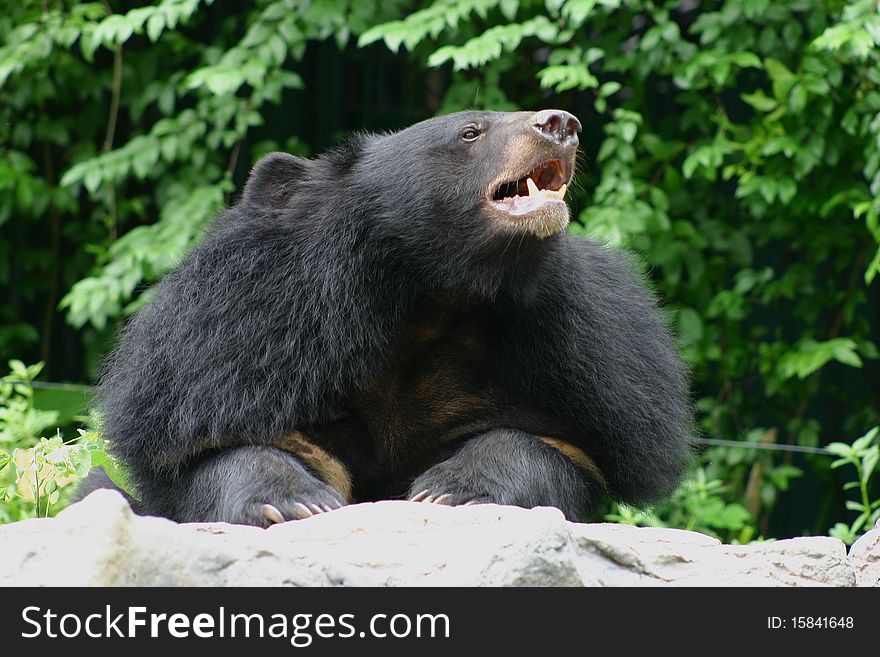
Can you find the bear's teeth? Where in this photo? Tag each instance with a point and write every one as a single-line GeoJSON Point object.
{"type": "Point", "coordinates": [534, 191]}
{"type": "Point", "coordinates": [559, 193]}
{"type": "Point", "coordinates": [533, 188]}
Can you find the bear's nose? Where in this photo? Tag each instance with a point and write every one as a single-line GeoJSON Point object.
{"type": "Point", "coordinates": [557, 126]}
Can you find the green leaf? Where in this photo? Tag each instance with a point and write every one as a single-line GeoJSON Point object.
{"type": "Point", "coordinates": [811, 356]}
{"type": "Point", "coordinates": [155, 27]}
{"type": "Point", "coordinates": [760, 101]}
{"type": "Point", "coordinates": [576, 11]}
{"type": "Point", "coordinates": [843, 533]}
{"type": "Point", "coordinates": [733, 517]}
{"type": "Point", "coordinates": [840, 449]}
{"type": "Point", "coordinates": [628, 132]}
{"type": "Point", "coordinates": [781, 77]}
{"type": "Point", "coordinates": [610, 88]}
{"type": "Point", "coordinates": [869, 463]}
{"type": "Point", "coordinates": [797, 100]}
{"type": "Point", "coordinates": [864, 442]}
{"type": "Point", "coordinates": [80, 460]}
{"type": "Point", "coordinates": [19, 370]}
{"type": "Point", "coordinates": [859, 523]}
{"type": "Point", "coordinates": [509, 8]}
{"type": "Point", "coordinates": [564, 77]}
{"type": "Point", "coordinates": [745, 59]}
{"type": "Point", "coordinates": [777, 70]}
{"type": "Point", "coordinates": [119, 476]}
{"type": "Point", "coordinates": [690, 327]}
{"type": "Point", "coordinates": [873, 268]}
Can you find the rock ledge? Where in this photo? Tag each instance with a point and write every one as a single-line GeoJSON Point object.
{"type": "Point", "coordinates": [100, 542]}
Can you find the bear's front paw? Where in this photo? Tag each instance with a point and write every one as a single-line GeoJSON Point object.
{"type": "Point", "coordinates": [442, 484]}
{"type": "Point", "coordinates": [297, 506]}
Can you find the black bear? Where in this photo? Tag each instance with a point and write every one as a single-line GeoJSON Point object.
{"type": "Point", "coordinates": [403, 317]}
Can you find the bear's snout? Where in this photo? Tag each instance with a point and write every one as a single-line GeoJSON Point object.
{"type": "Point", "coordinates": [557, 126]}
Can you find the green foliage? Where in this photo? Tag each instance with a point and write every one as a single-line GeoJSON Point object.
{"type": "Point", "coordinates": [490, 45]}
{"type": "Point", "coordinates": [143, 254]}
{"type": "Point", "coordinates": [863, 454]}
{"type": "Point", "coordinates": [733, 147]}
{"type": "Point", "coordinates": [432, 21]}
{"type": "Point", "coordinates": [34, 471]}
{"type": "Point", "coordinates": [19, 420]}
{"type": "Point", "coordinates": [146, 198]}
{"type": "Point", "coordinates": [37, 473]}
{"type": "Point", "coordinates": [697, 505]}
{"type": "Point", "coordinates": [99, 457]}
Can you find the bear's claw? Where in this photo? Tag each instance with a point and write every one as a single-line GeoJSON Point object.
{"type": "Point", "coordinates": [272, 514]}
{"type": "Point", "coordinates": [430, 498]}
{"type": "Point", "coordinates": [302, 511]}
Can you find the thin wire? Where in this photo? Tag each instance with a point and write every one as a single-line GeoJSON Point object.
{"type": "Point", "coordinates": [706, 441]}
{"type": "Point", "coordinates": [774, 448]}
{"type": "Point", "coordinates": [72, 387]}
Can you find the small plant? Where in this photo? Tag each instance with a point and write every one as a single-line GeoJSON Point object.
{"type": "Point", "coordinates": [20, 426]}
{"type": "Point", "coordinates": [37, 473]}
{"type": "Point", "coordinates": [19, 420]}
{"type": "Point", "coordinates": [863, 454]}
{"type": "Point", "coordinates": [43, 471]}
{"type": "Point", "coordinates": [697, 505]}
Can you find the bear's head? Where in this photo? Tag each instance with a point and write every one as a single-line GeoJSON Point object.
{"type": "Point", "coordinates": [450, 192]}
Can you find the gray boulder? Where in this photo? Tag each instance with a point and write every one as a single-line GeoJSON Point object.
{"type": "Point", "coordinates": [100, 542]}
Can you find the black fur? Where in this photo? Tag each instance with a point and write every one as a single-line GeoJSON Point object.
{"type": "Point", "coordinates": [511, 467]}
{"type": "Point", "coordinates": [301, 311]}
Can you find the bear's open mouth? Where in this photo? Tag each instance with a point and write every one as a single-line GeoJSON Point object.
{"type": "Point", "coordinates": [546, 183]}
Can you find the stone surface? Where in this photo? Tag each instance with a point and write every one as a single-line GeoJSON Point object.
{"type": "Point", "coordinates": [101, 542]}
{"type": "Point", "coordinates": [865, 558]}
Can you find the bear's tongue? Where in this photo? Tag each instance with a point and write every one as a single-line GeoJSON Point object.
{"type": "Point", "coordinates": [535, 199]}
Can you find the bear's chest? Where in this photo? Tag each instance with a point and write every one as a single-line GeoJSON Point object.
{"type": "Point", "coordinates": [442, 383]}
{"type": "Point", "coordinates": [439, 383]}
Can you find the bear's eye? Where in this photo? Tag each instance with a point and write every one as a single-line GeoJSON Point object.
{"type": "Point", "coordinates": [471, 133]}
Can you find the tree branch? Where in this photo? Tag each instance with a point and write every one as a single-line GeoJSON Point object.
{"type": "Point", "coordinates": [112, 120]}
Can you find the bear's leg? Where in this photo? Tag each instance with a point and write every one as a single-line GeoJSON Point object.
{"type": "Point", "coordinates": [513, 467]}
{"type": "Point", "coordinates": [251, 485]}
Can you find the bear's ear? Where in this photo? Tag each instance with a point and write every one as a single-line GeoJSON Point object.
{"type": "Point", "coordinates": [274, 179]}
